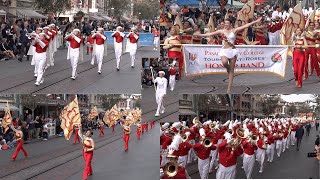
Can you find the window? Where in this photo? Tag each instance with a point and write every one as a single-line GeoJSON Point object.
{"type": "Point", "coordinates": [185, 96]}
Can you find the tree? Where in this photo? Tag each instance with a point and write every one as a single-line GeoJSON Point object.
{"type": "Point", "coordinates": [119, 8]}
{"type": "Point", "coordinates": [31, 101]}
{"type": "Point", "coordinates": [305, 108]}
{"type": "Point", "coordinates": [110, 100]}
{"type": "Point", "coordinates": [53, 6]}
{"type": "Point", "coordinates": [292, 110]}
{"type": "Point", "coordinates": [317, 102]}
{"type": "Point", "coordinates": [147, 9]}
{"type": "Point", "coordinates": [270, 103]}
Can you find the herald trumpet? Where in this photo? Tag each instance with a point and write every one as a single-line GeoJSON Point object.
{"type": "Point", "coordinates": [207, 142]}
{"type": "Point", "coordinates": [171, 169]}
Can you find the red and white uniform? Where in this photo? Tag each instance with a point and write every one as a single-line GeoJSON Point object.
{"type": "Point", "coordinates": [227, 161]}
{"type": "Point", "coordinates": [175, 51]}
{"type": "Point", "coordinates": [182, 174]}
{"type": "Point", "coordinates": [278, 144]}
{"type": "Point", "coordinates": [182, 153]}
{"type": "Point", "coordinates": [50, 60]}
{"type": "Point", "coordinates": [270, 146]}
{"type": "Point", "coordinates": [126, 137]}
{"type": "Point", "coordinates": [261, 152]}
{"type": "Point", "coordinates": [118, 39]}
{"type": "Point", "coordinates": [88, 143]}
{"type": "Point", "coordinates": [248, 158]}
{"type": "Point", "coordinates": [74, 52]}
{"type": "Point", "coordinates": [132, 45]}
{"type": "Point", "coordinates": [298, 60]}
{"type": "Point", "coordinates": [40, 57]}
{"type": "Point", "coordinates": [203, 159]}
{"type": "Point", "coordinates": [90, 43]}
{"type": "Point", "coordinates": [139, 131]}
{"type": "Point", "coordinates": [99, 48]}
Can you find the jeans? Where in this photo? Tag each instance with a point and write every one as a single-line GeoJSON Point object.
{"type": "Point", "coordinates": [298, 143]}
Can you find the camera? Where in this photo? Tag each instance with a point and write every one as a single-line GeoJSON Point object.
{"type": "Point", "coordinates": [313, 154]}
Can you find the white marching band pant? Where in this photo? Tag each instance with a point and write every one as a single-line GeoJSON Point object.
{"type": "Point", "coordinates": [213, 161]}
{"type": "Point", "coordinates": [284, 144]}
{"type": "Point", "coordinates": [203, 166]}
{"type": "Point", "coordinates": [99, 53]}
{"type": "Point", "coordinates": [164, 155]}
{"type": "Point", "coordinates": [270, 152]}
{"type": "Point", "coordinates": [260, 156]}
{"type": "Point", "coordinates": [132, 49]}
{"type": "Point", "coordinates": [191, 154]}
{"type": "Point", "coordinates": [40, 61]}
{"type": "Point", "coordinates": [156, 42]}
{"type": "Point", "coordinates": [118, 52]}
{"type": "Point", "coordinates": [248, 163]}
{"type": "Point", "coordinates": [172, 82]}
{"type": "Point", "coordinates": [279, 147]}
{"type": "Point", "coordinates": [74, 58]}
{"type": "Point", "coordinates": [226, 172]}
{"type": "Point", "coordinates": [293, 137]}
{"type": "Point", "coordinates": [159, 100]}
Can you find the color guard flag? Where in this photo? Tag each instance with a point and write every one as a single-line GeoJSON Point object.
{"type": "Point", "coordinates": [246, 12]}
{"type": "Point", "coordinates": [292, 23]}
{"type": "Point", "coordinates": [178, 23]}
{"type": "Point", "coordinates": [93, 113]}
{"type": "Point", "coordinates": [7, 118]}
{"type": "Point", "coordinates": [70, 116]}
{"type": "Point", "coordinates": [317, 16]}
{"type": "Point", "coordinates": [111, 116]}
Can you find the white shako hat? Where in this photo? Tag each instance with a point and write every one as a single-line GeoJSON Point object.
{"type": "Point", "coordinates": [76, 30]}
{"type": "Point", "coordinates": [162, 72]}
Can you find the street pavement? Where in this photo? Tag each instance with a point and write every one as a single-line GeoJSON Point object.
{"type": "Point", "coordinates": [149, 106]}
{"type": "Point", "coordinates": [292, 164]}
{"type": "Point", "coordinates": [17, 77]}
{"type": "Point", "coordinates": [60, 159]}
{"type": "Point", "coordinates": [249, 83]}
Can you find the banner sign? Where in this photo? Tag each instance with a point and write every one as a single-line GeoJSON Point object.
{"type": "Point", "coordinates": [205, 59]}
{"type": "Point", "coordinates": [146, 39]}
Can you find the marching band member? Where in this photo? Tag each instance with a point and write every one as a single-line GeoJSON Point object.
{"type": "Point", "coordinates": [228, 155]}
{"type": "Point", "coordinates": [126, 135]}
{"type": "Point", "coordinates": [132, 44]}
{"type": "Point", "coordinates": [203, 152]}
{"type": "Point", "coordinates": [172, 44]}
{"type": "Point", "coordinates": [311, 36]}
{"type": "Point", "coordinates": [249, 147]}
{"type": "Point", "coordinates": [293, 134]}
{"type": "Point", "coordinates": [138, 131]}
{"type": "Point", "coordinates": [261, 151]}
{"type": "Point", "coordinates": [88, 148]}
{"type": "Point", "coordinates": [228, 52]}
{"type": "Point", "coordinates": [76, 132]}
{"type": "Point", "coordinates": [183, 150]}
{"type": "Point", "coordinates": [172, 78]}
{"type": "Point", "coordinates": [285, 138]}
{"type": "Point", "coordinates": [19, 140]}
{"type": "Point", "coordinates": [156, 40]}
{"type": "Point", "coordinates": [99, 47]}
{"type": "Point", "coordinates": [74, 52]}
{"type": "Point", "coordinates": [270, 145]}
{"type": "Point", "coordinates": [279, 138]}
{"type": "Point", "coordinates": [160, 92]}
{"type": "Point", "coordinates": [49, 61]}
{"type": "Point", "coordinates": [101, 126]}
{"type": "Point", "coordinates": [118, 39]}
{"type": "Point", "coordinates": [32, 49]}
{"type": "Point", "coordinates": [146, 125]}
{"type": "Point", "coordinates": [40, 56]}
{"type": "Point", "coordinates": [113, 127]}
{"type": "Point", "coordinates": [299, 56]}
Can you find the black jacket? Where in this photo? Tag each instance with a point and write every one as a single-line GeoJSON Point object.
{"type": "Point", "coordinates": [299, 132]}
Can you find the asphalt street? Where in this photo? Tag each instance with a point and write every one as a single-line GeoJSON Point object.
{"type": "Point", "coordinates": [60, 159]}
{"type": "Point", "coordinates": [17, 77]}
{"type": "Point", "coordinates": [292, 164]}
{"type": "Point", "coordinates": [249, 83]}
{"type": "Point", "coordinates": [149, 106]}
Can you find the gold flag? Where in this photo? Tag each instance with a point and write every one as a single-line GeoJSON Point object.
{"type": "Point", "coordinates": [111, 116]}
{"type": "Point", "coordinates": [178, 23]}
{"type": "Point", "coordinates": [7, 118]}
{"type": "Point", "coordinates": [93, 113]}
{"type": "Point", "coordinates": [130, 118]}
{"type": "Point", "coordinates": [70, 116]}
{"type": "Point", "coordinates": [311, 18]}
{"type": "Point", "coordinates": [292, 23]}
{"type": "Point", "coordinates": [211, 26]}
{"type": "Point", "coordinates": [246, 12]}
{"type": "Point", "coordinates": [163, 20]}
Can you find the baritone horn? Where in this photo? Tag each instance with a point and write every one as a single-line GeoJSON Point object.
{"type": "Point", "coordinates": [171, 169]}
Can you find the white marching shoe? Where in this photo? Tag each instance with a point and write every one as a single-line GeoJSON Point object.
{"type": "Point", "coordinates": [73, 77]}
{"type": "Point", "coordinates": [99, 72]}
{"type": "Point", "coordinates": [37, 83]}
{"type": "Point", "coordinates": [41, 81]}
{"type": "Point", "coordinates": [157, 115]}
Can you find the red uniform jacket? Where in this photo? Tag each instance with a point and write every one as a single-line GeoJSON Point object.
{"type": "Point", "coordinates": [202, 152]}
{"type": "Point", "coordinates": [90, 39]}
{"type": "Point", "coordinates": [118, 38]}
{"type": "Point", "coordinates": [165, 141]}
{"type": "Point", "coordinates": [132, 39]}
{"type": "Point", "coordinates": [249, 148]}
{"type": "Point", "coordinates": [227, 157]}
{"type": "Point", "coordinates": [39, 49]}
{"type": "Point", "coordinates": [99, 39]}
{"type": "Point", "coordinates": [73, 43]}
{"type": "Point", "coordinates": [183, 150]}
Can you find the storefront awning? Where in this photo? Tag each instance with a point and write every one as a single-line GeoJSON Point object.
{"type": "Point", "coordinates": [12, 107]}
{"type": "Point", "coordinates": [187, 112]}
{"type": "Point", "coordinates": [107, 18]}
{"type": "Point", "coordinates": [29, 13]}
{"type": "Point", "coordinates": [95, 17]}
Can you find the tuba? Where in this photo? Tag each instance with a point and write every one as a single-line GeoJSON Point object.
{"type": "Point", "coordinates": [171, 169]}
{"type": "Point", "coordinates": [207, 142]}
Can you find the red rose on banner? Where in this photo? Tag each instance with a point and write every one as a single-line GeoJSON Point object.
{"type": "Point", "coordinates": [276, 57]}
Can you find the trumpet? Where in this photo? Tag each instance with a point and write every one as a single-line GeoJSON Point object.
{"type": "Point", "coordinates": [171, 169]}
{"type": "Point", "coordinates": [254, 138]}
{"type": "Point", "coordinates": [197, 122]}
{"type": "Point", "coordinates": [207, 142]}
{"type": "Point", "coordinates": [184, 137]}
